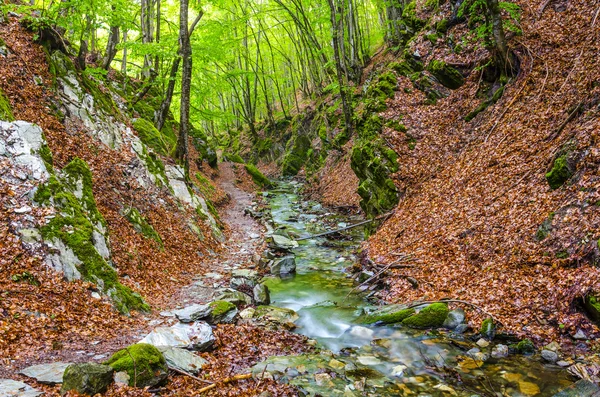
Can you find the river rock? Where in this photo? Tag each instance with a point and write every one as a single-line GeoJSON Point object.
{"type": "Point", "coordinates": [182, 359]}
{"type": "Point", "coordinates": [581, 388]}
{"type": "Point", "coordinates": [454, 319]}
{"type": "Point", "coordinates": [236, 297]}
{"type": "Point", "coordinates": [276, 317]}
{"type": "Point", "coordinates": [477, 355]}
{"type": "Point", "coordinates": [500, 351]}
{"type": "Point", "coordinates": [285, 265]}
{"type": "Point", "coordinates": [144, 363]}
{"type": "Point", "coordinates": [261, 294]}
{"type": "Point", "coordinates": [361, 332]}
{"type": "Point", "coordinates": [13, 388]}
{"type": "Point", "coordinates": [191, 313]}
{"type": "Point", "coordinates": [215, 312]}
{"type": "Point", "coordinates": [283, 243]}
{"type": "Point", "coordinates": [488, 329]}
{"type": "Point", "coordinates": [196, 336]}
{"type": "Point", "coordinates": [244, 277]}
{"type": "Point", "coordinates": [247, 313]}
{"type": "Point", "coordinates": [49, 374]}
{"type": "Point", "coordinates": [388, 314]}
{"type": "Point", "coordinates": [550, 356]}
{"type": "Point", "coordinates": [87, 378]}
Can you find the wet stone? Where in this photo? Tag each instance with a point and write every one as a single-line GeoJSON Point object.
{"type": "Point", "coordinates": [49, 374]}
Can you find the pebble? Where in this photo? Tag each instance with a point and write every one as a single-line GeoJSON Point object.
{"type": "Point", "coordinates": [563, 363]}
{"type": "Point", "coordinates": [500, 351]}
{"type": "Point", "coordinates": [483, 343]}
{"type": "Point", "coordinates": [550, 356]}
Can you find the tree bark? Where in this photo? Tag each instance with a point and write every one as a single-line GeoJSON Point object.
{"type": "Point", "coordinates": [504, 57]}
{"type": "Point", "coordinates": [161, 115]}
{"type": "Point", "coordinates": [111, 47]}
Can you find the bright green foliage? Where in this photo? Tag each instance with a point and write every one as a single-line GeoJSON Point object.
{"type": "Point", "coordinates": [430, 317]}
{"type": "Point", "coordinates": [5, 110]}
{"type": "Point", "coordinates": [141, 225]}
{"type": "Point", "coordinates": [144, 363]}
{"type": "Point", "coordinates": [446, 74]}
{"type": "Point", "coordinates": [592, 307]}
{"type": "Point", "coordinates": [75, 226]}
{"type": "Point", "coordinates": [390, 314]}
{"type": "Point", "coordinates": [257, 176]}
{"type": "Point", "coordinates": [476, 11]}
{"type": "Point", "coordinates": [152, 137]}
{"type": "Point", "coordinates": [560, 173]}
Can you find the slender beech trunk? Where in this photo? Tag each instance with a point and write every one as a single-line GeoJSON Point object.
{"type": "Point", "coordinates": [504, 57]}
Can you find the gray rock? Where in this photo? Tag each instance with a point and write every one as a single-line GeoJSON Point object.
{"type": "Point", "coordinates": [182, 359]}
{"type": "Point", "coordinates": [192, 313]}
{"type": "Point", "coordinates": [283, 243]}
{"type": "Point", "coordinates": [500, 351]}
{"type": "Point", "coordinates": [550, 356]}
{"type": "Point", "coordinates": [276, 317]}
{"type": "Point", "coordinates": [563, 363]}
{"type": "Point", "coordinates": [196, 336]}
{"type": "Point", "coordinates": [88, 378]}
{"type": "Point", "coordinates": [285, 265]}
{"type": "Point", "coordinates": [261, 294]}
{"type": "Point", "coordinates": [21, 142]}
{"type": "Point", "coordinates": [461, 329]}
{"type": "Point", "coordinates": [49, 374]}
{"type": "Point", "coordinates": [454, 319]}
{"type": "Point", "coordinates": [121, 378]}
{"type": "Point", "coordinates": [236, 297]}
{"type": "Point", "coordinates": [477, 355]}
{"type": "Point", "coordinates": [581, 388]}
{"type": "Point", "coordinates": [580, 335]}
{"type": "Point", "coordinates": [13, 388]}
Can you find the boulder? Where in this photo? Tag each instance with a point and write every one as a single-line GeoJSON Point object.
{"type": "Point", "coordinates": [432, 316]}
{"type": "Point", "coordinates": [215, 312]}
{"type": "Point", "coordinates": [182, 359]}
{"type": "Point", "coordinates": [261, 294]}
{"type": "Point", "coordinates": [88, 378]}
{"type": "Point", "coordinates": [388, 314]}
{"type": "Point", "coordinates": [283, 243]}
{"type": "Point", "coordinates": [144, 363]}
{"type": "Point", "coordinates": [196, 336]}
{"type": "Point", "coordinates": [236, 297]}
{"type": "Point", "coordinates": [13, 388]}
{"type": "Point", "coordinates": [284, 265]}
{"type": "Point", "coordinates": [550, 356]}
{"type": "Point", "coordinates": [454, 319]}
{"type": "Point", "coordinates": [49, 374]}
{"type": "Point", "coordinates": [581, 388]}
{"type": "Point", "coordinates": [276, 317]}
{"type": "Point", "coordinates": [191, 313]}
{"type": "Point", "coordinates": [244, 277]}
{"type": "Point", "coordinates": [526, 346]}
{"type": "Point", "coordinates": [500, 351]}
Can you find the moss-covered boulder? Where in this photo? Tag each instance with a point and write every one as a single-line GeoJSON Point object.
{"type": "Point", "coordinates": [488, 328]}
{"type": "Point", "coordinates": [152, 137]}
{"type": "Point", "coordinates": [432, 316]}
{"type": "Point", "coordinates": [80, 227]}
{"type": "Point", "coordinates": [87, 378]}
{"type": "Point", "coordinates": [221, 312]}
{"type": "Point", "coordinates": [592, 307]}
{"type": "Point", "coordinates": [5, 109]}
{"type": "Point", "coordinates": [525, 346]}
{"type": "Point", "coordinates": [144, 363]}
{"type": "Point", "coordinates": [296, 154]}
{"type": "Point", "coordinates": [447, 75]}
{"type": "Point", "coordinates": [258, 177]}
{"type": "Point", "coordinates": [389, 314]}
{"type": "Point", "coordinates": [233, 157]}
{"type": "Point", "coordinates": [560, 173]}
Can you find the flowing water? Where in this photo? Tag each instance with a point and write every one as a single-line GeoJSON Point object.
{"type": "Point", "coordinates": [319, 293]}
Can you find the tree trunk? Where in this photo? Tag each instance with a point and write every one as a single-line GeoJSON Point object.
{"type": "Point", "coordinates": [124, 60]}
{"type": "Point", "coordinates": [111, 47]}
{"type": "Point", "coordinates": [161, 115]}
{"type": "Point", "coordinates": [505, 59]}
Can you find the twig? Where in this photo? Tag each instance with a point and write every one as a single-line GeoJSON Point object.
{"type": "Point", "coordinates": [416, 304]}
{"type": "Point", "coordinates": [346, 228]}
{"type": "Point", "coordinates": [373, 277]}
{"type": "Point", "coordinates": [179, 371]}
{"type": "Point", "coordinates": [134, 367]}
{"type": "Point", "coordinates": [560, 128]}
{"type": "Point", "coordinates": [228, 380]}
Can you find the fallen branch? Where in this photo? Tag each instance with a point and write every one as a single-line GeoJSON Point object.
{"type": "Point", "coordinates": [572, 116]}
{"type": "Point", "coordinates": [225, 381]}
{"type": "Point", "coordinates": [376, 275]}
{"type": "Point", "coordinates": [347, 227]}
{"type": "Point", "coordinates": [181, 372]}
{"type": "Point", "coordinates": [416, 304]}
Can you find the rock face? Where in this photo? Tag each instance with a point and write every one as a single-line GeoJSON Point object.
{"type": "Point", "coordinates": [144, 363]}
{"type": "Point", "coordinates": [49, 374]}
{"type": "Point", "coordinates": [182, 359]}
{"type": "Point", "coordinates": [22, 143]}
{"type": "Point", "coordinates": [89, 378]}
{"type": "Point", "coordinates": [285, 265]}
{"type": "Point", "coordinates": [13, 388]}
{"type": "Point", "coordinates": [197, 336]}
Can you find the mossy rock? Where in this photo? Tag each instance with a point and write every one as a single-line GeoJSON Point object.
{"type": "Point", "coordinates": [141, 225]}
{"type": "Point", "coordinates": [447, 75]}
{"type": "Point", "coordinates": [432, 316]}
{"type": "Point", "coordinates": [5, 109]}
{"type": "Point", "coordinates": [77, 225]}
{"type": "Point", "coordinates": [296, 155]}
{"type": "Point", "coordinates": [525, 346]}
{"type": "Point", "coordinates": [144, 363]}
{"type": "Point", "coordinates": [258, 177]}
{"type": "Point", "coordinates": [233, 157]}
{"type": "Point", "coordinates": [204, 148]}
{"type": "Point", "coordinates": [390, 314]}
{"type": "Point", "coordinates": [151, 137]}
{"type": "Point", "coordinates": [560, 173]}
{"type": "Point", "coordinates": [592, 306]}
{"type": "Point", "coordinates": [87, 378]}
{"type": "Point", "coordinates": [220, 310]}
{"type": "Point", "coordinates": [488, 328]}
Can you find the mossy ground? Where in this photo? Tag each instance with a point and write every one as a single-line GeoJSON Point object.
{"type": "Point", "coordinates": [258, 176]}
{"type": "Point", "coordinates": [5, 109]}
{"type": "Point", "coordinates": [429, 317]}
{"type": "Point", "coordinates": [152, 137]}
{"type": "Point", "coordinates": [141, 361]}
{"type": "Point", "coordinates": [560, 172]}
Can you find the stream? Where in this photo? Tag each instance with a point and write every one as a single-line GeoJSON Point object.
{"type": "Point", "coordinates": [319, 293]}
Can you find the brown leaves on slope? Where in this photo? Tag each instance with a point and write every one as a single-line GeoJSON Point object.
{"type": "Point", "coordinates": [475, 193]}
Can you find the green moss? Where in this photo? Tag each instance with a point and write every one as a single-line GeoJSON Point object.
{"type": "Point", "coordinates": [390, 315]}
{"type": "Point", "coordinates": [296, 154]}
{"type": "Point", "coordinates": [485, 104]}
{"type": "Point", "coordinates": [525, 346]}
{"type": "Point", "coordinates": [487, 327]}
{"type": "Point", "coordinates": [447, 75]}
{"type": "Point", "coordinates": [46, 155]}
{"type": "Point", "coordinates": [219, 308]}
{"type": "Point", "coordinates": [102, 100]}
{"type": "Point", "coordinates": [560, 172]}
{"type": "Point", "coordinates": [592, 306]}
{"type": "Point", "coordinates": [545, 228]}
{"type": "Point", "coordinates": [233, 157]}
{"type": "Point", "coordinates": [396, 125]}
{"type": "Point", "coordinates": [442, 26]}
{"type": "Point", "coordinates": [258, 176]}
{"type": "Point", "coordinates": [75, 226]}
{"type": "Point", "coordinates": [141, 225]}
{"type": "Point", "coordinates": [5, 109]}
{"type": "Point", "coordinates": [431, 316]}
{"type": "Point", "coordinates": [144, 363]}
{"type": "Point", "coordinates": [152, 137]}
{"type": "Point", "coordinates": [433, 38]}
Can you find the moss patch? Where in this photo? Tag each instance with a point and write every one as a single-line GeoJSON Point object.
{"type": "Point", "coordinates": [430, 317]}
{"type": "Point", "coordinates": [296, 154]}
{"type": "Point", "coordinates": [388, 315]}
{"type": "Point", "coordinates": [144, 363]}
{"type": "Point", "coordinates": [525, 346]}
{"type": "Point", "coordinates": [5, 109]}
{"type": "Point", "coordinates": [233, 157]}
{"type": "Point", "coordinates": [152, 137]}
{"type": "Point", "coordinates": [592, 307]}
{"type": "Point", "coordinates": [141, 225]}
{"type": "Point", "coordinates": [446, 74]}
{"type": "Point", "coordinates": [560, 173]}
{"type": "Point", "coordinates": [258, 176]}
{"type": "Point", "coordinates": [220, 308]}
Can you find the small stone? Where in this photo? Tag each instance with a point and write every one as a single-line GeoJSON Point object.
{"type": "Point", "coordinates": [398, 370]}
{"type": "Point", "coordinates": [550, 356]}
{"type": "Point", "coordinates": [96, 295]}
{"type": "Point", "coordinates": [455, 318]}
{"type": "Point", "coordinates": [335, 364]}
{"type": "Point", "coordinates": [580, 335]}
{"type": "Point", "coordinates": [500, 351]}
{"type": "Point", "coordinates": [483, 343]}
{"type": "Point", "coordinates": [247, 313]}
{"type": "Point", "coordinates": [23, 210]}
{"type": "Point", "coordinates": [323, 379]}
{"type": "Point", "coordinates": [254, 236]}
{"type": "Point", "coordinates": [563, 363]}
{"type": "Point", "coordinates": [121, 378]}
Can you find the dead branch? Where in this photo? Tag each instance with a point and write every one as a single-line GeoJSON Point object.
{"type": "Point", "coordinates": [225, 381]}
{"type": "Point", "coordinates": [347, 227]}
{"type": "Point", "coordinates": [376, 275]}
{"type": "Point", "coordinates": [181, 372]}
{"type": "Point", "coordinates": [572, 116]}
